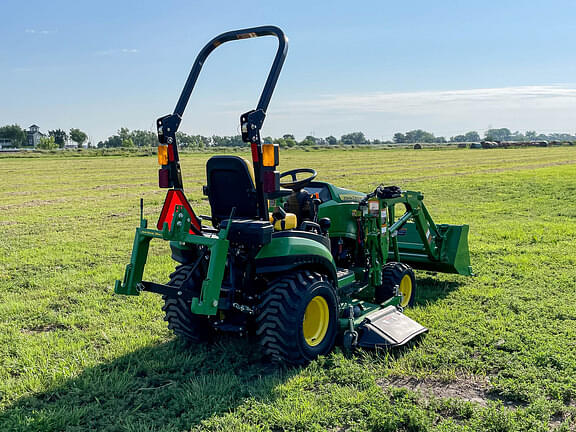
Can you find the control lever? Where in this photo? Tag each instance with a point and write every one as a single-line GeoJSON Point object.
{"type": "Point", "coordinates": [316, 203]}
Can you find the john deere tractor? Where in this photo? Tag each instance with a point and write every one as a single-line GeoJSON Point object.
{"type": "Point", "coordinates": [301, 264]}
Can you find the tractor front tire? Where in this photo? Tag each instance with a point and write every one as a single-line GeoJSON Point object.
{"type": "Point", "coordinates": [395, 273]}
{"type": "Point", "coordinates": [183, 323]}
{"type": "Point", "coordinates": [298, 318]}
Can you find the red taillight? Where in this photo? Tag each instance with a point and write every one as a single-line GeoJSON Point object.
{"type": "Point", "coordinates": [164, 178]}
{"type": "Point", "coordinates": [176, 197]}
{"type": "Point", "coordinates": [271, 181]}
{"type": "Point", "coordinates": [254, 148]}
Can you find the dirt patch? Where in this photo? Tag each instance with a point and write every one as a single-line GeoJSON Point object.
{"type": "Point", "coordinates": [45, 328]}
{"type": "Point", "coordinates": [476, 390]}
{"type": "Point", "coordinates": [119, 215]}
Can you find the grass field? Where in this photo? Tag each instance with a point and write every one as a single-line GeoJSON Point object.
{"type": "Point", "coordinates": [500, 354]}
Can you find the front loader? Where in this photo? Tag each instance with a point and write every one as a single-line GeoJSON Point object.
{"type": "Point", "coordinates": [299, 263]}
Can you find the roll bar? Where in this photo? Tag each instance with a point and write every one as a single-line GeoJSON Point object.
{"type": "Point", "coordinates": [168, 125]}
{"type": "Point", "coordinates": [237, 35]}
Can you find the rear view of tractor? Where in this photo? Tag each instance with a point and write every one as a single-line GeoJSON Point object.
{"type": "Point", "coordinates": [299, 263]}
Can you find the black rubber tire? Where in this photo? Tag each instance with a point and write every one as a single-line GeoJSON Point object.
{"type": "Point", "coordinates": [181, 320]}
{"type": "Point", "coordinates": [392, 274]}
{"type": "Point", "coordinates": [281, 315]}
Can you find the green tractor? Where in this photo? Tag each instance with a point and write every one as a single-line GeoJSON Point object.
{"type": "Point", "coordinates": [299, 263]}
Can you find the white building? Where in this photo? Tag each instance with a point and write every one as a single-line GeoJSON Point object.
{"type": "Point", "coordinates": [33, 136]}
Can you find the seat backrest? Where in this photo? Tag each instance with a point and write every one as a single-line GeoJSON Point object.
{"type": "Point", "coordinates": [231, 184]}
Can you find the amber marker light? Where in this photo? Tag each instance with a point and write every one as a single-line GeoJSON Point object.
{"type": "Point", "coordinates": [162, 154]}
{"type": "Point", "coordinates": [270, 155]}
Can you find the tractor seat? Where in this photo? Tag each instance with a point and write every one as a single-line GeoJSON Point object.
{"type": "Point", "coordinates": [230, 183]}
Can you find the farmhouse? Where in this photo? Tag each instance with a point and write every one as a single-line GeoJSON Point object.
{"type": "Point", "coordinates": [33, 135]}
{"type": "Point", "coordinates": [5, 142]}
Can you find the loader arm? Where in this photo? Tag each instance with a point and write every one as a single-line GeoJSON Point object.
{"type": "Point", "coordinates": [418, 241]}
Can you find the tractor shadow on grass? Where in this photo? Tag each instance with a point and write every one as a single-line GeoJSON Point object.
{"type": "Point", "coordinates": [169, 386]}
{"type": "Point", "coordinates": [432, 289]}
{"type": "Point", "coordinates": [172, 386]}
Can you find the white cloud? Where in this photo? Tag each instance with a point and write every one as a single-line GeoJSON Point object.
{"type": "Point", "coordinates": [548, 108]}
{"type": "Point", "coordinates": [117, 51]}
{"type": "Point", "coordinates": [41, 32]}
{"type": "Point", "coordinates": [433, 101]}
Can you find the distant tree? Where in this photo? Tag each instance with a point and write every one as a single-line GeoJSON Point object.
{"type": "Point", "coordinates": [309, 140]}
{"type": "Point", "coordinates": [47, 143]}
{"type": "Point", "coordinates": [468, 137]}
{"type": "Point", "coordinates": [458, 138]}
{"type": "Point", "coordinates": [124, 133]}
{"type": "Point", "coordinates": [399, 138]}
{"type": "Point", "coordinates": [472, 136]}
{"type": "Point", "coordinates": [60, 137]}
{"type": "Point", "coordinates": [144, 138]}
{"type": "Point", "coordinates": [353, 138]}
{"type": "Point", "coordinates": [530, 135]}
{"type": "Point", "coordinates": [127, 142]}
{"type": "Point", "coordinates": [286, 141]}
{"type": "Point", "coordinates": [78, 136]}
{"type": "Point", "coordinates": [419, 135]}
{"type": "Point", "coordinates": [111, 142]}
{"type": "Point", "coordinates": [184, 140]}
{"type": "Point", "coordinates": [14, 133]}
{"type": "Point", "coordinates": [440, 140]}
{"type": "Point", "coordinates": [331, 140]}
{"type": "Point", "coordinates": [233, 141]}
{"type": "Point", "coordinates": [561, 137]}
{"type": "Point", "coordinates": [376, 142]}
{"type": "Point", "coordinates": [194, 141]}
{"type": "Point", "coordinates": [517, 136]}
{"type": "Point", "coordinates": [502, 134]}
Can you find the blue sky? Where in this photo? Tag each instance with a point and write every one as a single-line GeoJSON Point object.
{"type": "Point", "coordinates": [375, 66]}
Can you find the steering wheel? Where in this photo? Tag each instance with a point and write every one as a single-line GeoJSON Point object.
{"type": "Point", "coordinates": [296, 184]}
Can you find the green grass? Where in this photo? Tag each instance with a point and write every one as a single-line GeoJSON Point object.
{"type": "Point", "coordinates": [75, 357]}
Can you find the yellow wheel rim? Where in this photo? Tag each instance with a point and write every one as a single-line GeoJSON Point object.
{"type": "Point", "coordinates": [406, 290]}
{"type": "Point", "coordinates": [316, 320]}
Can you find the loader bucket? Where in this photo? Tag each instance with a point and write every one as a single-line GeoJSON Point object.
{"type": "Point", "coordinates": [454, 253]}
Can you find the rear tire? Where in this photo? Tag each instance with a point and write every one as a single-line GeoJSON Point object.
{"type": "Point", "coordinates": [183, 323]}
{"type": "Point", "coordinates": [395, 273]}
{"type": "Point", "coordinates": [298, 318]}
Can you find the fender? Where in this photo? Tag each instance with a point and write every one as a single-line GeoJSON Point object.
{"type": "Point", "coordinates": [290, 250]}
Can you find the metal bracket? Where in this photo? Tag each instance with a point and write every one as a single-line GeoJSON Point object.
{"type": "Point", "coordinates": [166, 290]}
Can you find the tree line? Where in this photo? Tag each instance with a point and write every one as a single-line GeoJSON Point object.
{"type": "Point", "coordinates": [56, 138]}
{"type": "Point", "coordinates": [501, 134]}
{"type": "Point", "coordinates": [140, 138]}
